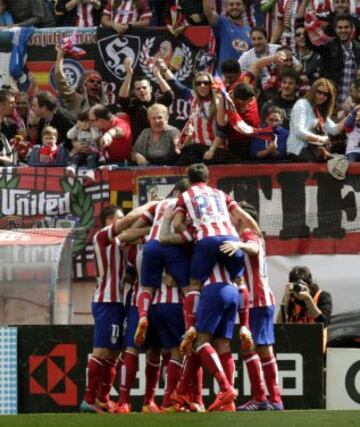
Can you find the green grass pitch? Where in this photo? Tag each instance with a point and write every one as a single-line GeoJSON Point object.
{"type": "Point", "coordinates": [319, 418]}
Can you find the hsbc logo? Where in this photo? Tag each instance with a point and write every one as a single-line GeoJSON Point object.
{"type": "Point", "coordinates": [48, 374]}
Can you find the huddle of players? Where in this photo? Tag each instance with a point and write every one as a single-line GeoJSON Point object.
{"type": "Point", "coordinates": [203, 263]}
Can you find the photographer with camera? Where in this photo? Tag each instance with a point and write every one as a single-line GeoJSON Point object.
{"type": "Point", "coordinates": [304, 301]}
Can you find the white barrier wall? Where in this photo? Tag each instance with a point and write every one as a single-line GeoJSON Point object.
{"type": "Point", "coordinates": [343, 378]}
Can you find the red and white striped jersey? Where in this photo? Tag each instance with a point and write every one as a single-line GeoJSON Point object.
{"type": "Point", "coordinates": [126, 13]}
{"type": "Point", "coordinates": [256, 275]}
{"type": "Point", "coordinates": [84, 15]}
{"type": "Point", "coordinates": [218, 275]}
{"type": "Point", "coordinates": [110, 264]}
{"type": "Point", "coordinates": [248, 16]}
{"type": "Point", "coordinates": [209, 211]}
{"type": "Point", "coordinates": [167, 295]}
{"type": "Point", "coordinates": [154, 216]}
{"type": "Point", "coordinates": [204, 124]}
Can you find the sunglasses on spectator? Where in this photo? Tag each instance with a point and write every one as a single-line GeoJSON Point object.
{"type": "Point", "coordinates": [95, 81]}
{"type": "Point", "coordinates": [203, 82]}
{"type": "Point", "coordinates": [300, 33]}
{"type": "Point", "coordinates": [321, 92]}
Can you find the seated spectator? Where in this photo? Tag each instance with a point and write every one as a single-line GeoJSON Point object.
{"type": "Point", "coordinates": [45, 108]}
{"type": "Point", "coordinates": [78, 13]}
{"type": "Point", "coordinates": [6, 153]}
{"type": "Point", "coordinates": [85, 152]}
{"type": "Point", "coordinates": [49, 153]}
{"type": "Point", "coordinates": [310, 124]}
{"type": "Point", "coordinates": [135, 104]}
{"type": "Point", "coordinates": [88, 92]}
{"type": "Point", "coordinates": [307, 57]}
{"type": "Point", "coordinates": [156, 145]}
{"type": "Point", "coordinates": [116, 139]}
{"type": "Point", "coordinates": [273, 149]}
{"type": "Point", "coordinates": [31, 13]}
{"type": "Point", "coordinates": [286, 97]}
{"type": "Point", "coordinates": [304, 301]}
{"type": "Point", "coordinates": [124, 15]}
{"type": "Point", "coordinates": [6, 19]}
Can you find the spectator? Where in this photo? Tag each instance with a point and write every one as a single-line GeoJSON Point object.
{"type": "Point", "coordinates": [273, 149]}
{"type": "Point", "coordinates": [85, 150]}
{"type": "Point", "coordinates": [31, 13]}
{"type": "Point", "coordinates": [136, 104]}
{"type": "Point", "coordinates": [339, 57]}
{"type": "Point", "coordinates": [116, 137]}
{"type": "Point", "coordinates": [310, 124]}
{"type": "Point", "coordinates": [271, 87]}
{"type": "Point", "coordinates": [286, 97]}
{"type": "Point", "coordinates": [124, 15]}
{"type": "Point", "coordinates": [23, 106]}
{"type": "Point", "coordinates": [199, 141]}
{"type": "Point", "coordinates": [304, 301]}
{"type": "Point", "coordinates": [6, 153]}
{"type": "Point", "coordinates": [156, 145]}
{"type": "Point", "coordinates": [10, 121]}
{"type": "Point", "coordinates": [45, 108]}
{"type": "Point", "coordinates": [262, 48]}
{"type": "Point", "coordinates": [88, 92]}
{"type": "Point", "coordinates": [290, 15]}
{"type": "Point", "coordinates": [341, 7]}
{"type": "Point", "coordinates": [6, 19]}
{"type": "Point", "coordinates": [352, 125]}
{"type": "Point", "coordinates": [247, 107]}
{"type": "Point", "coordinates": [309, 60]}
{"type": "Point", "coordinates": [78, 13]}
{"type": "Point", "coordinates": [233, 36]}
{"type": "Point", "coordinates": [49, 153]}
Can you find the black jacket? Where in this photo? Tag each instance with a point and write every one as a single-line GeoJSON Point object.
{"type": "Point", "coordinates": [332, 58]}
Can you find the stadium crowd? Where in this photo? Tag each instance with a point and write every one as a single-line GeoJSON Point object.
{"type": "Point", "coordinates": [284, 87]}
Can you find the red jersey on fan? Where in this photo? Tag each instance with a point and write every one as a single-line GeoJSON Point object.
{"type": "Point", "coordinates": [126, 12]}
{"type": "Point", "coordinates": [110, 264]}
{"type": "Point", "coordinates": [121, 147]}
{"type": "Point", "coordinates": [256, 275]}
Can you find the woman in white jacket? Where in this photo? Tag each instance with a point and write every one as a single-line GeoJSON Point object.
{"type": "Point", "coordinates": [310, 124]}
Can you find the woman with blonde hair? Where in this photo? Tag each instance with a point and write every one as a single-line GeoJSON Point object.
{"type": "Point", "coordinates": [311, 125]}
{"type": "Point", "coordinates": [157, 144]}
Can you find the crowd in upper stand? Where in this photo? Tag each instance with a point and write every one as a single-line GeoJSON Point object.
{"type": "Point", "coordinates": [284, 87]}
